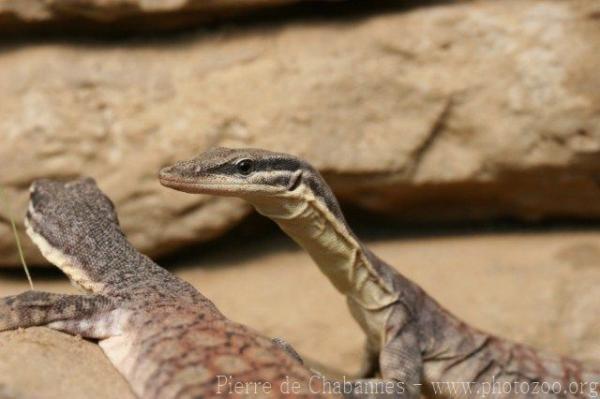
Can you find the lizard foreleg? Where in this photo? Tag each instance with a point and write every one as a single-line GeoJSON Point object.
{"type": "Point", "coordinates": [74, 314]}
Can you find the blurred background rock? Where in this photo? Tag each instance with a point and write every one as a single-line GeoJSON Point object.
{"type": "Point", "coordinates": [479, 116]}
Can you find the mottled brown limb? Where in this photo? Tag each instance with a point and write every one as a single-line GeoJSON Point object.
{"type": "Point", "coordinates": [400, 360]}
{"type": "Point", "coordinates": [70, 313]}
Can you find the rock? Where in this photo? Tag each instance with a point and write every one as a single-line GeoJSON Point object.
{"type": "Point", "coordinates": [472, 111]}
{"type": "Point", "coordinates": [536, 288]}
{"type": "Point", "coordinates": [37, 16]}
{"type": "Point", "coordinates": [45, 364]}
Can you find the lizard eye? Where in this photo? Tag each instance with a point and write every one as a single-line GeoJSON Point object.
{"type": "Point", "coordinates": [245, 166]}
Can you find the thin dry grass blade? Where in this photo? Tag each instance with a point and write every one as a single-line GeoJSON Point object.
{"type": "Point", "coordinates": [18, 241]}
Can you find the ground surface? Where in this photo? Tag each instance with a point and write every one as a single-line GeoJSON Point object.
{"type": "Point", "coordinates": [540, 288]}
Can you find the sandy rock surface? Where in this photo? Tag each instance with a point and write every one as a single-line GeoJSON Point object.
{"type": "Point", "coordinates": [470, 111]}
{"type": "Point", "coordinates": [41, 363]}
{"type": "Point", "coordinates": [538, 288]}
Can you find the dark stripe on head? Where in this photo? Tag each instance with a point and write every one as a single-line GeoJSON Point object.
{"type": "Point", "coordinates": [272, 161]}
{"type": "Point", "coordinates": [323, 192]}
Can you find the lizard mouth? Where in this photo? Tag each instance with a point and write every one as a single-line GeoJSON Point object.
{"type": "Point", "coordinates": [179, 184]}
{"type": "Point", "coordinates": [227, 189]}
{"type": "Point", "coordinates": [216, 184]}
{"type": "Point", "coordinates": [196, 186]}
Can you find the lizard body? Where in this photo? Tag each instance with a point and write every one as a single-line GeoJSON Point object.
{"type": "Point", "coordinates": [166, 338]}
{"type": "Point", "coordinates": [410, 337]}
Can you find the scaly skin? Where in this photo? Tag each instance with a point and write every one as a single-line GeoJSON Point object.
{"type": "Point", "coordinates": [410, 337]}
{"type": "Point", "coordinates": [167, 339]}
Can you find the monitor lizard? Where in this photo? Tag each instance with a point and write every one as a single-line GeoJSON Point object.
{"type": "Point", "coordinates": [410, 337]}
{"type": "Point", "coordinates": [165, 337]}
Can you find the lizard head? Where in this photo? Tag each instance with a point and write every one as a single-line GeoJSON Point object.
{"type": "Point", "coordinates": [71, 222]}
{"type": "Point", "coordinates": [67, 211]}
{"type": "Point", "coordinates": [255, 175]}
{"type": "Point", "coordinates": [244, 173]}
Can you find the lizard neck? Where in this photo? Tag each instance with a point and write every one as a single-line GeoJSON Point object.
{"type": "Point", "coordinates": [330, 243]}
